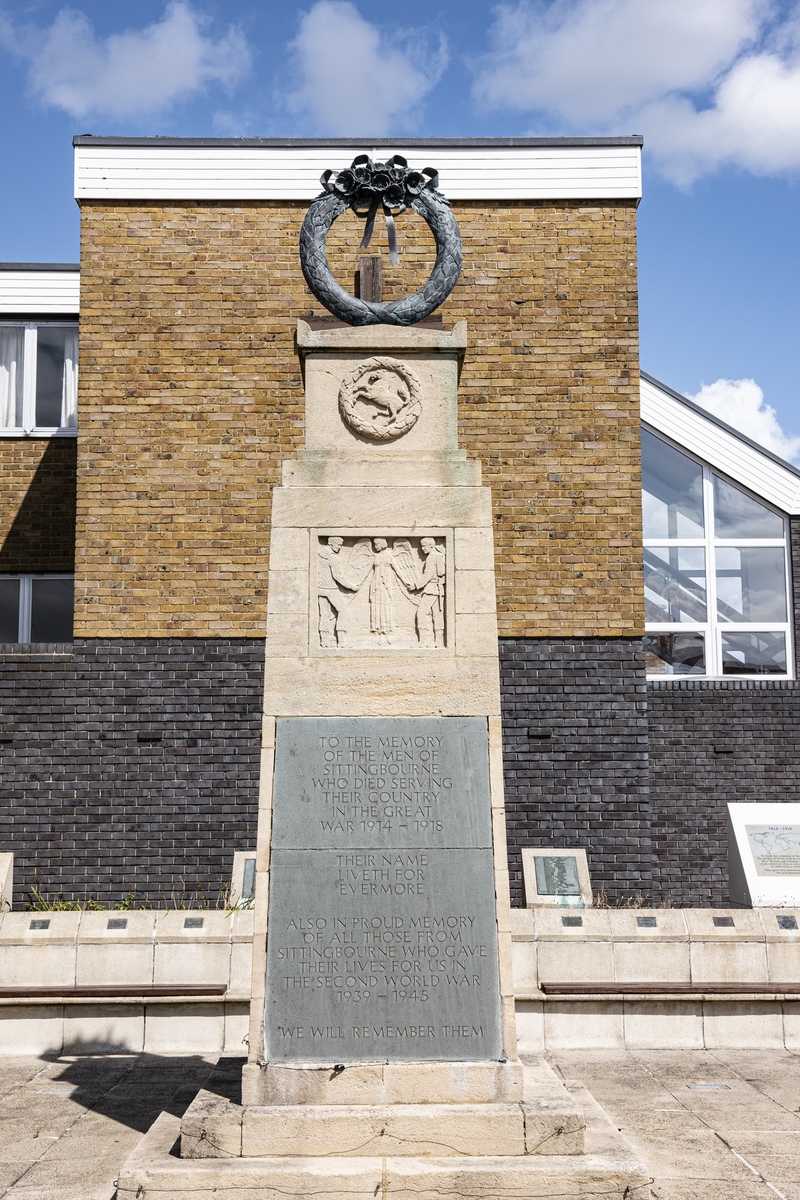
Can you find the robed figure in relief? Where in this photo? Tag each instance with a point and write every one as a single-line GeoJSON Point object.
{"type": "Point", "coordinates": [391, 574]}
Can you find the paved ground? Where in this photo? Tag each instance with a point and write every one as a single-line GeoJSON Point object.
{"type": "Point", "coordinates": [738, 1139]}
{"type": "Point", "coordinates": [67, 1126]}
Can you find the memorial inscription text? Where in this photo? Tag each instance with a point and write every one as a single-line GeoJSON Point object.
{"type": "Point", "coordinates": [382, 930]}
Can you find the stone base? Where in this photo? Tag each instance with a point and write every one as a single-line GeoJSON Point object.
{"type": "Point", "coordinates": [536, 1116]}
{"type": "Point", "coordinates": [384, 1083]}
{"type": "Point", "coordinates": [609, 1170]}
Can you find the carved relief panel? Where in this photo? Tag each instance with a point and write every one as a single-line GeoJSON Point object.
{"type": "Point", "coordinates": [381, 591]}
{"type": "Point", "coordinates": [380, 399]}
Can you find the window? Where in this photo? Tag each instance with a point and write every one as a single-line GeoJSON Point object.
{"type": "Point", "coordinates": [716, 572]}
{"type": "Point", "coordinates": [38, 377]}
{"type": "Point", "coordinates": [36, 608]}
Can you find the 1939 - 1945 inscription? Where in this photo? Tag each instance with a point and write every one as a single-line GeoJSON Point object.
{"type": "Point", "coordinates": [382, 930]}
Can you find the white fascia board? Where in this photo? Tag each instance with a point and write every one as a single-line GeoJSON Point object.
{"type": "Point", "coordinates": [33, 292]}
{"type": "Point", "coordinates": [153, 172]}
{"type": "Point", "coordinates": [741, 461]}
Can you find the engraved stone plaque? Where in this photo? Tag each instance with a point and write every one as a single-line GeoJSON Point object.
{"type": "Point", "coordinates": [382, 937]}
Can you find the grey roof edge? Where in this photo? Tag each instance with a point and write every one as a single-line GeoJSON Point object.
{"type": "Point", "coordinates": [703, 412]}
{"type": "Point", "coordinates": [30, 266]}
{"type": "Point", "coordinates": [89, 139]}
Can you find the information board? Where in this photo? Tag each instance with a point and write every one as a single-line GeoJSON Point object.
{"type": "Point", "coordinates": [764, 854]}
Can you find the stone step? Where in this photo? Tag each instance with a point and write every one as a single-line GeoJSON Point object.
{"type": "Point", "coordinates": [609, 1170]}
{"type": "Point", "coordinates": [546, 1121]}
{"type": "Point", "coordinates": [214, 1128]}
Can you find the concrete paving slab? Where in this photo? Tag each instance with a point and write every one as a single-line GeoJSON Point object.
{"type": "Point", "coordinates": [777, 1166]}
{"type": "Point", "coordinates": [67, 1125]}
{"type": "Point", "coordinates": [773, 1075]}
{"type": "Point", "coordinates": [762, 1142]}
{"type": "Point", "coordinates": [788, 1189]}
{"type": "Point", "coordinates": [703, 1143]}
{"type": "Point", "coordinates": [690, 1154]}
{"type": "Point", "coordinates": [693, 1189]}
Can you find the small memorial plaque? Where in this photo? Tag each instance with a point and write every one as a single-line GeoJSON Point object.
{"type": "Point", "coordinates": [557, 876]}
{"type": "Point", "coordinates": [382, 937]}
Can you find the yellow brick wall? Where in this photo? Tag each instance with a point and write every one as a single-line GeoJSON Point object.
{"type": "Point", "coordinates": [191, 397]}
{"type": "Point", "coordinates": [37, 514]}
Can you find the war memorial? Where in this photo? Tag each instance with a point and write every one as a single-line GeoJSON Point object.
{"type": "Point", "coordinates": [354, 518]}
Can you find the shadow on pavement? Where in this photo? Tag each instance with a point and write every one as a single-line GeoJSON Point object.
{"type": "Point", "coordinates": [133, 1089]}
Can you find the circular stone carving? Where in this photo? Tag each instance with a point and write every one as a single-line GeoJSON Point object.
{"type": "Point", "coordinates": [381, 399]}
{"type": "Point", "coordinates": [365, 187]}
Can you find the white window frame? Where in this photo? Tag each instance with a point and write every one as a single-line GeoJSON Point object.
{"type": "Point", "coordinates": [713, 628]}
{"type": "Point", "coordinates": [26, 602]}
{"type": "Point", "coordinates": [29, 428]}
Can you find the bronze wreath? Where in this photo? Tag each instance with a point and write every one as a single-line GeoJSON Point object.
{"type": "Point", "coordinates": [365, 187]}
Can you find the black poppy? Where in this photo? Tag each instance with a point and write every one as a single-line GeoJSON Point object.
{"type": "Point", "coordinates": [362, 174]}
{"type": "Point", "coordinates": [345, 182]}
{"type": "Point", "coordinates": [415, 182]}
{"type": "Point", "coordinates": [394, 195]}
{"type": "Point", "coordinates": [364, 197]}
{"type": "Point", "coordinates": [381, 180]}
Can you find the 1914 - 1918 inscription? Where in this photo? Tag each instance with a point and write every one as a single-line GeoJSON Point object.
{"type": "Point", "coordinates": [382, 929]}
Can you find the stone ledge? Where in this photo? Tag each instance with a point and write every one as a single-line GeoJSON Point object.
{"type": "Point", "coordinates": [383, 1083]}
{"type": "Point", "coordinates": [381, 337]}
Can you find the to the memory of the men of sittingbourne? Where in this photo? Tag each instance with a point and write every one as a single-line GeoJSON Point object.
{"type": "Point", "coordinates": [382, 939]}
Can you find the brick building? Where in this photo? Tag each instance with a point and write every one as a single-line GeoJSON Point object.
{"type": "Point", "coordinates": [130, 741]}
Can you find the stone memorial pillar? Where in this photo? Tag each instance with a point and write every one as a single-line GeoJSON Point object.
{"type": "Point", "coordinates": [383, 921]}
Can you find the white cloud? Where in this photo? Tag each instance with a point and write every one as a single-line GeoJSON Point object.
{"type": "Point", "coordinates": [740, 403]}
{"type": "Point", "coordinates": [351, 79]}
{"type": "Point", "coordinates": [136, 73]}
{"type": "Point", "coordinates": [753, 123]}
{"type": "Point", "coordinates": [708, 82]}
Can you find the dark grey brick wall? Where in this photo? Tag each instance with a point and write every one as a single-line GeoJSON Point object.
{"type": "Point", "coordinates": [710, 743]}
{"type": "Point", "coordinates": [99, 813]}
{"type": "Point", "coordinates": [587, 784]}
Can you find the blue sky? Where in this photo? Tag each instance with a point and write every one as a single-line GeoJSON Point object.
{"type": "Point", "coordinates": [714, 85]}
